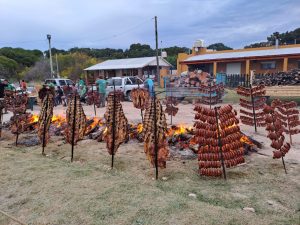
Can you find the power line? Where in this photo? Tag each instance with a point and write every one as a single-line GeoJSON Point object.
{"type": "Point", "coordinates": [116, 35]}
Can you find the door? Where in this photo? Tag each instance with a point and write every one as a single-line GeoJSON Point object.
{"type": "Point", "coordinates": [233, 68]}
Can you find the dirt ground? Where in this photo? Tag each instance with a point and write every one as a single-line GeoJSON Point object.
{"type": "Point", "coordinates": [50, 190]}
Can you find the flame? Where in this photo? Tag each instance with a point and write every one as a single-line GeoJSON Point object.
{"type": "Point", "coordinates": [139, 128]}
{"type": "Point", "coordinates": [96, 121]}
{"type": "Point", "coordinates": [34, 118]}
{"type": "Point", "coordinates": [58, 120]}
{"type": "Point", "coordinates": [246, 140]}
{"type": "Point", "coordinates": [178, 130]}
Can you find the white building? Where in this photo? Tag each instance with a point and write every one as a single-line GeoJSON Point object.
{"type": "Point", "coordinates": [126, 67]}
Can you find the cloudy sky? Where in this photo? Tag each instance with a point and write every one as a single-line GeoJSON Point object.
{"type": "Point", "coordinates": [118, 23]}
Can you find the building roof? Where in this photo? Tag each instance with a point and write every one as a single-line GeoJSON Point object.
{"type": "Point", "coordinates": [245, 54]}
{"type": "Point", "coordinates": [130, 63]}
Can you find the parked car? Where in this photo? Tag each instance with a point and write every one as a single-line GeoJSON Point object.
{"type": "Point", "coordinates": [59, 82]}
{"type": "Point", "coordinates": [124, 84]}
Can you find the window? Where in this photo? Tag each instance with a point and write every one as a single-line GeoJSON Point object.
{"type": "Point", "coordinates": [50, 82]}
{"type": "Point", "coordinates": [135, 80]}
{"type": "Point", "coordinates": [69, 82]}
{"type": "Point", "coordinates": [128, 82]}
{"type": "Point", "coordinates": [118, 82]}
{"type": "Point", "coordinates": [268, 65]}
{"type": "Point", "coordinates": [62, 83]}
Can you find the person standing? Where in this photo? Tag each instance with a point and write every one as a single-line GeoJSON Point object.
{"type": "Point", "coordinates": [102, 90]}
{"type": "Point", "coordinates": [59, 96]}
{"type": "Point", "coordinates": [149, 84]}
{"type": "Point", "coordinates": [23, 85]}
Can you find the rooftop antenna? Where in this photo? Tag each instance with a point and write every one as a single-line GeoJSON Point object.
{"type": "Point", "coordinates": [50, 55]}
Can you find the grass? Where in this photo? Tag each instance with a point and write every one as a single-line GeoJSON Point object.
{"type": "Point", "coordinates": [51, 190]}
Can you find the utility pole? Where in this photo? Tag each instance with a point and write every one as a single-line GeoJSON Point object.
{"type": "Point", "coordinates": [156, 47]}
{"type": "Point", "coordinates": [57, 71]}
{"type": "Point", "coordinates": [50, 55]}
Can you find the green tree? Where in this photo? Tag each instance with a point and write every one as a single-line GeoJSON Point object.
{"type": "Point", "coordinates": [219, 47]}
{"type": "Point", "coordinates": [286, 38]}
{"type": "Point", "coordinates": [21, 56]}
{"type": "Point", "coordinates": [8, 67]}
{"type": "Point", "coordinates": [72, 65]}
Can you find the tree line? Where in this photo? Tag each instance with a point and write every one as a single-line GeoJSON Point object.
{"type": "Point", "coordinates": [18, 63]}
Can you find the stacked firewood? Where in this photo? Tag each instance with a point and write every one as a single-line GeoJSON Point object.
{"type": "Point", "coordinates": [155, 119]}
{"type": "Point", "coordinates": [212, 93]}
{"type": "Point", "coordinates": [289, 116]}
{"type": "Point", "coordinates": [291, 77]}
{"type": "Point", "coordinates": [191, 79]}
{"type": "Point", "coordinates": [116, 123]}
{"type": "Point", "coordinates": [45, 118]}
{"type": "Point", "coordinates": [255, 103]}
{"type": "Point", "coordinates": [140, 97]}
{"type": "Point", "coordinates": [218, 135]}
{"type": "Point", "coordinates": [275, 129]}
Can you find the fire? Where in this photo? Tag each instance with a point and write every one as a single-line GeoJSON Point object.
{"type": "Point", "coordinates": [58, 120]}
{"type": "Point", "coordinates": [34, 118]}
{"type": "Point", "coordinates": [96, 122]}
{"type": "Point", "coordinates": [178, 130]}
{"type": "Point", "coordinates": [246, 140]}
{"type": "Point", "coordinates": [139, 128]}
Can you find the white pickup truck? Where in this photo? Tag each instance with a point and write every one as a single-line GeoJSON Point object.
{"type": "Point", "coordinates": [124, 84]}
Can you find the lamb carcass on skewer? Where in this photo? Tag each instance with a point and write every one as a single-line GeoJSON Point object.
{"type": "Point", "coordinates": [118, 126]}
{"type": "Point", "coordinates": [149, 134]}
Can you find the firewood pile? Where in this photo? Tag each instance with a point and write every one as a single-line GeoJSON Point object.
{"type": "Point", "coordinates": [255, 103]}
{"type": "Point", "coordinates": [44, 121]}
{"type": "Point", "coordinates": [275, 128]}
{"type": "Point", "coordinates": [116, 123]}
{"type": "Point", "coordinates": [155, 128]}
{"type": "Point", "coordinates": [291, 77]}
{"type": "Point", "coordinates": [219, 138]}
{"type": "Point", "coordinates": [192, 79]}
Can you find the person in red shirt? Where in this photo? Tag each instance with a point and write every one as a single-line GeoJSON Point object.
{"type": "Point", "coordinates": [23, 85]}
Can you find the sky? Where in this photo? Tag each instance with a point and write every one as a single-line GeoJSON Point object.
{"type": "Point", "coordinates": [119, 23]}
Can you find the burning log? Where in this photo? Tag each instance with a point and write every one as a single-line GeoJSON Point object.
{"type": "Point", "coordinates": [219, 139]}
{"type": "Point", "coordinates": [255, 104]}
